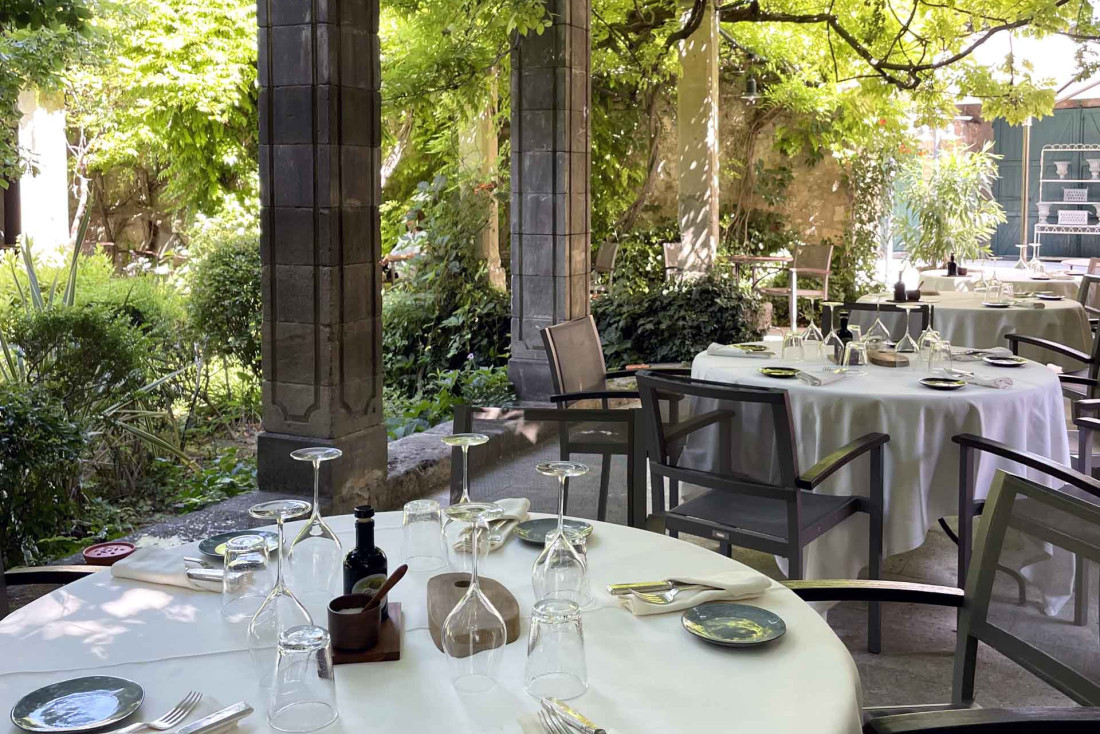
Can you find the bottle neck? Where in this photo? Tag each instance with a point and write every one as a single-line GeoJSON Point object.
{"type": "Point", "coordinates": [364, 534]}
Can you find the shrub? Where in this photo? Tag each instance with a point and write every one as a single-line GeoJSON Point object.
{"type": "Point", "coordinates": [477, 386]}
{"type": "Point", "coordinates": [39, 470]}
{"type": "Point", "coordinates": [640, 260]}
{"type": "Point", "coordinates": [226, 306]}
{"type": "Point", "coordinates": [676, 322]}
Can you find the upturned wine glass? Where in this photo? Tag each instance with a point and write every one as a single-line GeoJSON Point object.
{"type": "Point", "coordinates": [281, 610]}
{"type": "Point", "coordinates": [560, 572]}
{"type": "Point", "coordinates": [907, 344]}
{"type": "Point", "coordinates": [474, 633]}
{"type": "Point", "coordinates": [878, 331]}
{"type": "Point", "coordinates": [465, 441]}
{"type": "Point", "coordinates": [454, 535]}
{"type": "Point", "coordinates": [316, 556]}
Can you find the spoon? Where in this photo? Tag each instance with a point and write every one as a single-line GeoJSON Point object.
{"type": "Point", "coordinates": [397, 575]}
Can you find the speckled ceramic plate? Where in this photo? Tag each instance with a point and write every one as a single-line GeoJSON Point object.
{"type": "Point", "coordinates": [78, 704]}
{"type": "Point", "coordinates": [999, 361]}
{"type": "Point", "coordinates": [733, 625]}
{"type": "Point", "coordinates": [1049, 297]}
{"type": "Point", "coordinates": [752, 347]}
{"type": "Point", "coordinates": [534, 531]}
{"type": "Point", "coordinates": [782, 373]}
{"type": "Point", "coordinates": [996, 304]}
{"type": "Point", "coordinates": [943, 383]}
{"type": "Point", "coordinates": [214, 546]}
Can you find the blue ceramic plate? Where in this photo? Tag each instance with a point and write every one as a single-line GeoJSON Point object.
{"type": "Point", "coordinates": [733, 625]}
{"type": "Point", "coordinates": [79, 704]}
{"type": "Point", "coordinates": [535, 531]}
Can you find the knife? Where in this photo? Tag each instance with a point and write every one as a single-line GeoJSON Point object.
{"type": "Point", "coordinates": [572, 716]}
{"type": "Point", "coordinates": [206, 574]}
{"type": "Point", "coordinates": [623, 589]}
{"type": "Point", "coordinates": [225, 717]}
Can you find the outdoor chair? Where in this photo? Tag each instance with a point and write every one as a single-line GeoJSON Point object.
{"type": "Point", "coordinates": [54, 575]}
{"type": "Point", "coordinates": [774, 514]}
{"type": "Point", "coordinates": [920, 319]}
{"type": "Point", "coordinates": [1063, 656]}
{"type": "Point", "coordinates": [671, 252]}
{"type": "Point", "coordinates": [521, 437]}
{"type": "Point", "coordinates": [809, 260]}
{"type": "Point", "coordinates": [604, 266]}
{"type": "Point", "coordinates": [579, 375]}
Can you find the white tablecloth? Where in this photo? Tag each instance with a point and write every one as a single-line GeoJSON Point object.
{"type": "Point", "coordinates": [646, 674]}
{"type": "Point", "coordinates": [1021, 280]}
{"type": "Point", "coordinates": [921, 461]}
{"type": "Point", "coordinates": [962, 320]}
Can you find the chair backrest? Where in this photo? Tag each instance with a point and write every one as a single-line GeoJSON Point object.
{"type": "Point", "coordinates": [726, 412]}
{"type": "Point", "coordinates": [605, 257]}
{"type": "Point", "coordinates": [576, 355]}
{"type": "Point", "coordinates": [1094, 266]}
{"type": "Point", "coordinates": [919, 320]}
{"type": "Point", "coordinates": [1088, 292]}
{"type": "Point", "coordinates": [1026, 524]}
{"type": "Point", "coordinates": [523, 437]}
{"type": "Point", "coordinates": [816, 257]}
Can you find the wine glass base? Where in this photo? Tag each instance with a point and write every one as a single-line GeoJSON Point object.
{"type": "Point", "coordinates": [562, 686]}
{"type": "Point", "coordinates": [473, 683]}
{"type": "Point", "coordinates": [303, 717]}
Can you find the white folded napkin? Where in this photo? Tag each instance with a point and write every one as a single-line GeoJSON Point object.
{"type": "Point", "coordinates": [731, 586]}
{"type": "Point", "coordinates": [997, 383]}
{"type": "Point", "coordinates": [159, 566]}
{"type": "Point", "coordinates": [515, 512]}
{"type": "Point", "coordinates": [819, 379]}
{"type": "Point", "coordinates": [729, 350]}
{"type": "Point", "coordinates": [962, 354]}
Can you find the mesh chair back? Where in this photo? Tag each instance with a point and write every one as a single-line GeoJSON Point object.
{"type": "Point", "coordinates": [576, 355]}
{"type": "Point", "coordinates": [605, 257]}
{"type": "Point", "coordinates": [705, 447]}
{"type": "Point", "coordinates": [524, 437]}
{"type": "Point", "coordinates": [1028, 538]}
{"type": "Point", "coordinates": [818, 257]}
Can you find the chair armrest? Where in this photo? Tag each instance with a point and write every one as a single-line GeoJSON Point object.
{"type": "Point", "coordinates": [1086, 406]}
{"type": "Point", "coordinates": [886, 591]}
{"type": "Point", "coordinates": [828, 466]}
{"type": "Point", "coordinates": [1015, 340]}
{"type": "Point", "coordinates": [1030, 460]}
{"type": "Point", "coordinates": [669, 368]}
{"type": "Point", "coordinates": [1078, 380]}
{"type": "Point", "coordinates": [569, 397]}
{"type": "Point", "coordinates": [810, 271]}
{"type": "Point", "coordinates": [49, 574]}
{"type": "Point", "coordinates": [958, 721]}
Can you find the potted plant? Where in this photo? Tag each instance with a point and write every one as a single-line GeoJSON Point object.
{"type": "Point", "coordinates": [946, 206]}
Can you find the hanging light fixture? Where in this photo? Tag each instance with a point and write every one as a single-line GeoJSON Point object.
{"type": "Point", "coordinates": [750, 94]}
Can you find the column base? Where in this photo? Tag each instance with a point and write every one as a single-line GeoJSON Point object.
{"type": "Point", "coordinates": [531, 378]}
{"type": "Point", "coordinates": [345, 482]}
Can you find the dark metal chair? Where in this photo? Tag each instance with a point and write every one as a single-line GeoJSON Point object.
{"type": "Point", "coordinates": [58, 575]}
{"type": "Point", "coordinates": [924, 314]}
{"type": "Point", "coordinates": [1024, 636]}
{"type": "Point", "coordinates": [522, 429]}
{"type": "Point", "coordinates": [579, 374]}
{"type": "Point", "coordinates": [780, 517]}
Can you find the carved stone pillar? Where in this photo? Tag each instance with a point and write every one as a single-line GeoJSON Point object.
{"type": "Point", "coordinates": [320, 143]}
{"type": "Point", "coordinates": [551, 97]}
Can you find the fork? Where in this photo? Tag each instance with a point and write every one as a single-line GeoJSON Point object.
{"type": "Point", "coordinates": [551, 725]}
{"type": "Point", "coordinates": [664, 597]}
{"type": "Point", "coordinates": [174, 716]}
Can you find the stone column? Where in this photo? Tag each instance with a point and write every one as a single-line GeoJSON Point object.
{"type": "Point", "coordinates": [550, 170]}
{"type": "Point", "coordinates": [320, 143]}
{"type": "Point", "coordinates": [697, 132]}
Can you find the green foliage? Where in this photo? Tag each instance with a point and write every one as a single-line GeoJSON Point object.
{"type": "Point", "coordinates": [676, 322]}
{"type": "Point", "coordinates": [640, 260]}
{"type": "Point", "coordinates": [476, 386]}
{"type": "Point", "coordinates": [226, 304]}
{"type": "Point", "coordinates": [444, 313]}
{"type": "Point", "coordinates": [40, 449]}
{"type": "Point", "coordinates": [947, 206]}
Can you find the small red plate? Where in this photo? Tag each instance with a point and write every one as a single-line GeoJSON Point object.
{"type": "Point", "coordinates": [105, 554]}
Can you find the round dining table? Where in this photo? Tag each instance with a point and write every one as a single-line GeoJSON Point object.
{"type": "Point", "coordinates": [646, 673]}
{"type": "Point", "coordinates": [1060, 283]}
{"type": "Point", "coordinates": [921, 463]}
{"type": "Point", "coordinates": [964, 320]}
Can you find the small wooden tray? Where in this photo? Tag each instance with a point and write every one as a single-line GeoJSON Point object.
{"type": "Point", "coordinates": [888, 359]}
{"type": "Point", "coordinates": [445, 591]}
{"type": "Point", "coordinates": [388, 647]}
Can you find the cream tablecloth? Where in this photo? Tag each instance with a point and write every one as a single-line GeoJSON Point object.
{"type": "Point", "coordinates": [921, 461]}
{"type": "Point", "coordinates": [1021, 280]}
{"type": "Point", "coordinates": [962, 320]}
{"type": "Point", "coordinates": [646, 674]}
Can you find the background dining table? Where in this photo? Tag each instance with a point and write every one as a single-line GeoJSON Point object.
{"type": "Point", "coordinates": [646, 674]}
{"type": "Point", "coordinates": [921, 462]}
{"type": "Point", "coordinates": [1058, 282]}
{"type": "Point", "coordinates": [963, 320]}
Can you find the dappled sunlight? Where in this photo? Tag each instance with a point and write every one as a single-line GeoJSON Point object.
{"type": "Point", "coordinates": [135, 601]}
{"type": "Point", "coordinates": [49, 608]}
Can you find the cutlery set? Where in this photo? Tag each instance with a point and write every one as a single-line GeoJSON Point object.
{"type": "Point", "coordinates": [179, 712]}
{"type": "Point", "coordinates": [558, 717]}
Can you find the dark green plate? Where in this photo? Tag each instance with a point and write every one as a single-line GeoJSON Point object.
{"type": "Point", "coordinates": [752, 347]}
{"type": "Point", "coordinates": [782, 373]}
{"type": "Point", "coordinates": [943, 383]}
{"type": "Point", "coordinates": [214, 546]}
{"type": "Point", "coordinates": [998, 361]}
{"type": "Point", "coordinates": [535, 531]}
{"type": "Point", "coordinates": [733, 625]}
{"type": "Point", "coordinates": [78, 704]}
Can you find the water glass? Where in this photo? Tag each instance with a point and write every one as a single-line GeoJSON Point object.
{"type": "Point", "coordinates": [939, 358]}
{"type": "Point", "coordinates": [422, 537]}
{"type": "Point", "coordinates": [556, 665]}
{"type": "Point", "coordinates": [303, 697]}
{"type": "Point", "coordinates": [855, 356]}
{"type": "Point", "coordinates": [247, 579]}
{"type": "Point", "coordinates": [792, 348]}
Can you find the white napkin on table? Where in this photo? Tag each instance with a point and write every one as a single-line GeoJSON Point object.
{"type": "Point", "coordinates": [159, 566]}
{"type": "Point", "coordinates": [997, 383]}
{"type": "Point", "coordinates": [732, 585]}
{"type": "Point", "coordinates": [515, 512]}
{"type": "Point", "coordinates": [729, 350]}
{"type": "Point", "coordinates": [819, 379]}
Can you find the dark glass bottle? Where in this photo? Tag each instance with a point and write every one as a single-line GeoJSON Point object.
{"type": "Point", "coordinates": [952, 266]}
{"type": "Point", "coordinates": [899, 291]}
{"type": "Point", "coordinates": [365, 566]}
{"type": "Point", "coordinates": [845, 334]}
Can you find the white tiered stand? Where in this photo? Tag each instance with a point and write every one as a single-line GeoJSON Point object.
{"type": "Point", "coordinates": [1041, 227]}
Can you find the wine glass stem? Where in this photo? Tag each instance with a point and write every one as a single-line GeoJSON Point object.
{"type": "Point", "coordinates": [279, 555]}
{"type": "Point", "coordinates": [316, 488]}
{"type": "Point", "coordinates": [475, 533]}
{"type": "Point", "coordinates": [561, 506]}
{"type": "Point", "coordinates": [466, 477]}
{"type": "Point", "coordinates": [908, 313]}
